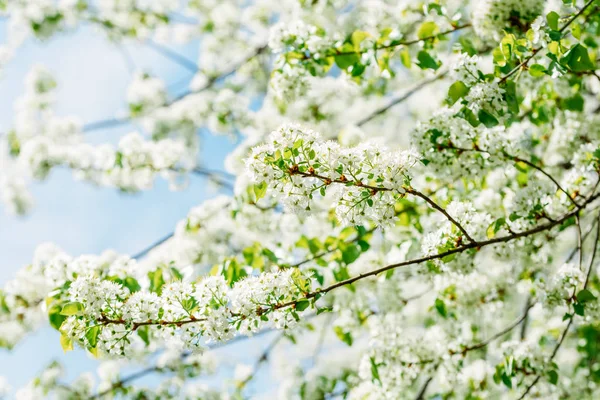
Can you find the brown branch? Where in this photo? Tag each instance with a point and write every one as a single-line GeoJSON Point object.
{"type": "Point", "coordinates": [499, 334]}
{"type": "Point", "coordinates": [321, 291]}
{"type": "Point", "coordinates": [547, 175]}
{"type": "Point", "coordinates": [473, 245]}
{"type": "Point", "coordinates": [507, 156]}
{"type": "Point", "coordinates": [434, 205]}
{"type": "Point", "coordinates": [395, 44]}
{"type": "Point", "coordinates": [423, 389]}
{"type": "Point", "coordinates": [375, 189]}
{"type": "Point", "coordinates": [528, 306]}
{"type": "Point", "coordinates": [136, 324]}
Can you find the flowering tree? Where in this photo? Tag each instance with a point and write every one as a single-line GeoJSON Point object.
{"type": "Point", "coordinates": [414, 193]}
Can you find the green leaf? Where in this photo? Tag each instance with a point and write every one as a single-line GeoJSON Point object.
{"type": "Point", "coordinates": [506, 380]}
{"type": "Point", "coordinates": [157, 281]}
{"type": "Point", "coordinates": [440, 306]}
{"type": "Point", "coordinates": [405, 57]}
{"type": "Point", "coordinates": [574, 103]}
{"type": "Point", "coordinates": [72, 308]}
{"type": "Point", "coordinates": [552, 19]}
{"type": "Point", "coordinates": [577, 59]}
{"type": "Point", "coordinates": [302, 305]}
{"type": "Point", "coordinates": [92, 335]}
{"type": "Point", "coordinates": [350, 252]}
{"type": "Point", "coordinates": [143, 333]}
{"type": "Point", "coordinates": [54, 316]}
{"type": "Point", "coordinates": [487, 119]}
{"type": "Point", "coordinates": [499, 57]}
{"type": "Point", "coordinates": [374, 370]}
{"type": "Point", "coordinates": [537, 70]}
{"type": "Point", "coordinates": [576, 30]}
{"type": "Point", "coordinates": [585, 296]}
{"type": "Point", "coordinates": [344, 61]}
{"type": "Point", "coordinates": [495, 227]}
{"type": "Point", "coordinates": [456, 91]}
{"type": "Point", "coordinates": [324, 310]}
{"type": "Point", "coordinates": [176, 274]}
{"type": "Point", "coordinates": [131, 284]}
{"type": "Point", "coordinates": [467, 45]}
{"type": "Point", "coordinates": [510, 94]}
{"type": "Point", "coordinates": [357, 38]}
{"type": "Point", "coordinates": [302, 283]}
{"type": "Point", "coordinates": [426, 61]}
{"type": "Point", "coordinates": [553, 377]}
{"type": "Point", "coordinates": [427, 29]}
{"type": "Point", "coordinates": [260, 189]}
{"type": "Point", "coordinates": [345, 337]}
{"type": "Point", "coordinates": [66, 343]}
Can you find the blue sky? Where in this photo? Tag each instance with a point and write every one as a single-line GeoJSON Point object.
{"type": "Point", "coordinates": [92, 76]}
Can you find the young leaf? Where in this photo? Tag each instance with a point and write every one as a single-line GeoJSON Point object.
{"type": "Point", "coordinates": [92, 335]}
{"type": "Point", "coordinates": [585, 295]}
{"type": "Point", "coordinates": [426, 61]}
{"type": "Point", "coordinates": [427, 29]}
{"type": "Point", "coordinates": [552, 19]}
{"type": "Point", "coordinates": [302, 305]}
{"type": "Point", "coordinates": [72, 308]}
{"type": "Point", "coordinates": [577, 59]}
{"type": "Point", "coordinates": [457, 91]}
{"type": "Point", "coordinates": [66, 343]}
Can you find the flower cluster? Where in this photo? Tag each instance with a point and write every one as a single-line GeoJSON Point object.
{"type": "Point", "coordinates": [145, 93]}
{"type": "Point", "coordinates": [396, 359]}
{"type": "Point", "coordinates": [111, 316]}
{"type": "Point", "coordinates": [491, 17]}
{"type": "Point", "coordinates": [40, 141]}
{"type": "Point", "coordinates": [221, 111]}
{"type": "Point", "coordinates": [486, 96]}
{"type": "Point", "coordinates": [563, 284]}
{"type": "Point", "coordinates": [465, 69]}
{"type": "Point", "coordinates": [297, 166]}
{"type": "Point", "coordinates": [135, 18]}
{"type": "Point", "coordinates": [133, 165]}
{"type": "Point", "coordinates": [296, 35]}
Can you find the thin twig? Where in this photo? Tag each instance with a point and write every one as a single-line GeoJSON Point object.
{"type": "Point", "coordinates": [566, 330]}
{"type": "Point", "coordinates": [263, 358]}
{"type": "Point", "coordinates": [400, 99]}
{"type": "Point", "coordinates": [528, 305]}
{"type": "Point", "coordinates": [516, 159]}
{"type": "Point", "coordinates": [396, 44]}
{"type": "Point", "coordinates": [113, 122]}
{"type": "Point", "coordinates": [424, 388]}
{"type": "Point", "coordinates": [435, 206]}
{"type": "Point", "coordinates": [174, 56]}
{"type": "Point", "coordinates": [154, 245]}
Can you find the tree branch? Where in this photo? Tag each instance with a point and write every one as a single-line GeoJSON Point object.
{"type": "Point", "coordinates": [435, 206]}
{"type": "Point", "coordinates": [394, 44]}
{"type": "Point", "coordinates": [566, 330]}
{"type": "Point", "coordinates": [174, 56]}
{"type": "Point", "coordinates": [113, 122]}
{"type": "Point", "coordinates": [400, 99]}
